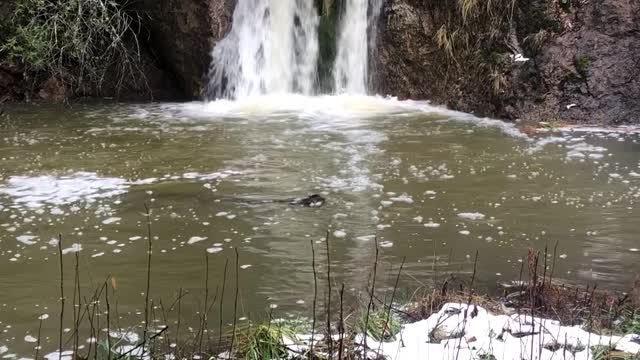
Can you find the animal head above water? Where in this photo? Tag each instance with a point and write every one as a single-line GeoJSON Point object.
{"type": "Point", "coordinates": [314, 200]}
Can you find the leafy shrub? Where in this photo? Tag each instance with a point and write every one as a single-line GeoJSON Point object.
{"type": "Point", "coordinates": [82, 42]}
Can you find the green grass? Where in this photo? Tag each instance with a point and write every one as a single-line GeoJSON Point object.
{"type": "Point", "coordinates": [378, 327]}
{"type": "Point", "coordinates": [629, 322]}
{"type": "Point", "coordinates": [604, 352]}
{"type": "Point", "coordinates": [582, 63]}
{"type": "Point", "coordinates": [267, 342]}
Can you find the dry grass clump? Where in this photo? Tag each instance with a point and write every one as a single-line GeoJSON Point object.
{"type": "Point", "coordinates": [478, 33]}
{"type": "Point", "coordinates": [431, 301]}
{"type": "Point", "coordinates": [540, 296]}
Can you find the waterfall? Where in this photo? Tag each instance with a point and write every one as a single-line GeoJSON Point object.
{"type": "Point", "coordinates": [272, 48]}
{"type": "Point", "coordinates": [356, 42]}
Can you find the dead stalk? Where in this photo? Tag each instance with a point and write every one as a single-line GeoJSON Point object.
{"type": "Point", "coordinates": [329, 336]}
{"type": "Point", "coordinates": [341, 324]}
{"type": "Point", "coordinates": [61, 296]}
{"type": "Point", "coordinates": [315, 298]}
{"type": "Point", "coordinates": [38, 343]}
{"type": "Point", "coordinates": [235, 302]}
{"type": "Point", "coordinates": [203, 324]}
{"type": "Point", "coordinates": [146, 295]}
{"type": "Point", "coordinates": [224, 282]}
{"type": "Point", "coordinates": [371, 296]}
{"type": "Point", "coordinates": [393, 295]}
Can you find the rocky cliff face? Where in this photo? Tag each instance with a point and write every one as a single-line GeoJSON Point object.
{"type": "Point", "coordinates": [175, 44]}
{"type": "Point", "coordinates": [183, 32]}
{"type": "Point", "coordinates": [580, 62]}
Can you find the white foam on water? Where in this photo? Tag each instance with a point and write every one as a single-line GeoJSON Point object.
{"type": "Point", "coordinates": [195, 239]}
{"type": "Point", "coordinates": [217, 175]}
{"type": "Point", "coordinates": [72, 249]}
{"type": "Point", "coordinates": [338, 111]}
{"type": "Point", "coordinates": [586, 148]}
{"type": "Point", "coordinates": [50, 190]}
{"type": "Point", "coordinates": [404, 198]}
{"type": "Point", "coordinates": [27, 239]}
{"type": "Point", "coordinates": [30, 339]}
{"type": "Point", "coordinates": [540, 144]}
{"type": "Point", "coordinates": [347, 117]}
{"type": "Point", "coordinates": [36, 191]}
{"type": "Point", "coordinates": [471, 216]}
{"type": "Point", "coordinates": [339, 234]}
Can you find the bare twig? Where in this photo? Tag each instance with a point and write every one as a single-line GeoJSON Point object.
{"type": "Point", "coordinates": [315, 298]}
{"type": "Point", "coordinates": [341, 325]}
{"type": "Point", "coordinates": [38, 343]}
{"type": "Point", "coordinates": [393, 295]}
{"type": "Point", "coordinates": [224, 282]}
{"type": "Point", "coordinates": [61, 295]}
{"type": "Point", "coordinates": [235, 302]}
{"type": "Point", "coordinates": [146, 295]}
{"type": "Point", "coordinates": [371, 296]}
{"type": "Point", "coordinates": [329, 336]}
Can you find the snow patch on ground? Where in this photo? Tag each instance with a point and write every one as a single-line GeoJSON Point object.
{"type": "Point", "coordinates": [459, 331]}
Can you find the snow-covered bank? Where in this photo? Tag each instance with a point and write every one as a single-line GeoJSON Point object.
{"type": "Point", "coordinates": [461, 332]}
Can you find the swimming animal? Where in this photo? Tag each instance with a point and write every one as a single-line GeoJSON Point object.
{"type": "Point", "coordinates": [312, 201]}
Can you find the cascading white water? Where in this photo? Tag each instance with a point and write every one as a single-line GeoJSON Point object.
{"type": "Point", "coordinates": [272, 48]}
{"type": "Point", "coordinates": [355, 43]}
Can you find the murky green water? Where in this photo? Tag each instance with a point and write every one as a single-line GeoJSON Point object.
{"type": "Point", "coordinates": [402, 171]}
